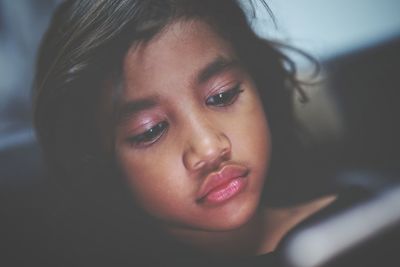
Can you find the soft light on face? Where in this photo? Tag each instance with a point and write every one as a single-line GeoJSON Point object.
{"type": "Point", "coordinates": [192, 139]}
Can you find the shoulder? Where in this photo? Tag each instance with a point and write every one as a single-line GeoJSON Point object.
{"type": "Point", "coordinates": [324, 207]}
{"type": "Point", "coordinates": [280, 220]}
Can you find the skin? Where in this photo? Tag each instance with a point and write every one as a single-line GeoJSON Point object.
{"type": "Point", "coordinates": [174, 131]}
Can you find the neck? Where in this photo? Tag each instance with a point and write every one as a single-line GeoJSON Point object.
{"type": "Point", "coordinates": [258, 236]}
{"type": "Point", "coordinates": [243, 241]}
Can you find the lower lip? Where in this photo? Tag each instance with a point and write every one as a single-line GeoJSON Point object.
{"type": "Point", "coordinates": [226, 191]}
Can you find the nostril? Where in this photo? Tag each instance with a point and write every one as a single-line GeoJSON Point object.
{"type": "Point", "coordinates": [199, 165]}
{"type": "Point", "coordinates": [207, 152]}
{"type": "Point", "coordinates": [225, 153]}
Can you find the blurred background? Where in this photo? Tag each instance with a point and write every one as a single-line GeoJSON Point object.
{"type": "Point", "coordinates": [352, 113]}
{"type": "Point", "coordinates": [22, 24]}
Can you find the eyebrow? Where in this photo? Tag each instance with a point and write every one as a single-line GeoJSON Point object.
{"type": "Point", "coordinates": [217, 66]}
{"type": "Point", "coordinates": [129, 108]}
{"type": "Point", "coordinates": [212, 69]}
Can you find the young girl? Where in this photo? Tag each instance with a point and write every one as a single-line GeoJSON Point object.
{"type": "Point", "coordinates": [181, 103]}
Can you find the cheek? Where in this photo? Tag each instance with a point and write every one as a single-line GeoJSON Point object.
{"type": "Point", "coordinates": [155, 182]}
{"type": "Point", "coordinates": [260, 132]}
{"type": "Point", "coordinates": [252, 137]}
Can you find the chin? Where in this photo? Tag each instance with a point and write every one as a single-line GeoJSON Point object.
{"type": "Point", "coordinates": [233, 218]}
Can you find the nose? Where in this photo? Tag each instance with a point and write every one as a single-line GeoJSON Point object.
{"type": "Point", "coordinates": [207, 147]}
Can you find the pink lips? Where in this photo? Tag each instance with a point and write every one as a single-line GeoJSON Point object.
{"type": "Point", "coordinates": [222, 185]}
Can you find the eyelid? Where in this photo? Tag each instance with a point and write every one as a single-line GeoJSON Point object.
{"type": "Point", "coordinates": [220, 88]}
{"type": "Point", "coordinates": [144, 126]}
{"type": "Point", "coordinates": [140, 139]}
{"type": "Point", "coordinates": [232, 93]}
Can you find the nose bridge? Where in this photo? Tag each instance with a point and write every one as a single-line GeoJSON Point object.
{"type": "Point", "coordinates": [207, 144]}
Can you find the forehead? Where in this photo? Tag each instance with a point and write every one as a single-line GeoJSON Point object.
{"type": "Point", "coordinates": [178, 53]}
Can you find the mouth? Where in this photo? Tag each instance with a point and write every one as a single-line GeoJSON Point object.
{"type": "Point", "coordinates": [223, 185]}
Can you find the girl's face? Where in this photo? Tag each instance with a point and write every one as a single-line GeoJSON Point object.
{"type": "Point", "coordinates": [192, 138]}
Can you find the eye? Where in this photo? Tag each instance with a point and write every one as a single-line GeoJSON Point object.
{"type": "Point", "coordinates": [149, 136]}
{"type": "Point", "coordinates": [224, 98]}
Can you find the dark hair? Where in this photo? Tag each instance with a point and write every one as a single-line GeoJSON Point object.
{"type": "Point", "coordinates": [84, 48]}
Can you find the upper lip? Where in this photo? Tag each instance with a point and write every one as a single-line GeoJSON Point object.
{"type": "Point", "coordinates": [224, 175]}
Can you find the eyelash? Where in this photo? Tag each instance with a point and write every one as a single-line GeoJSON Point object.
{"type": "Point", "coordinates": [224, 98]}
{"type": "Point", "coordinates": [151, 135]}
